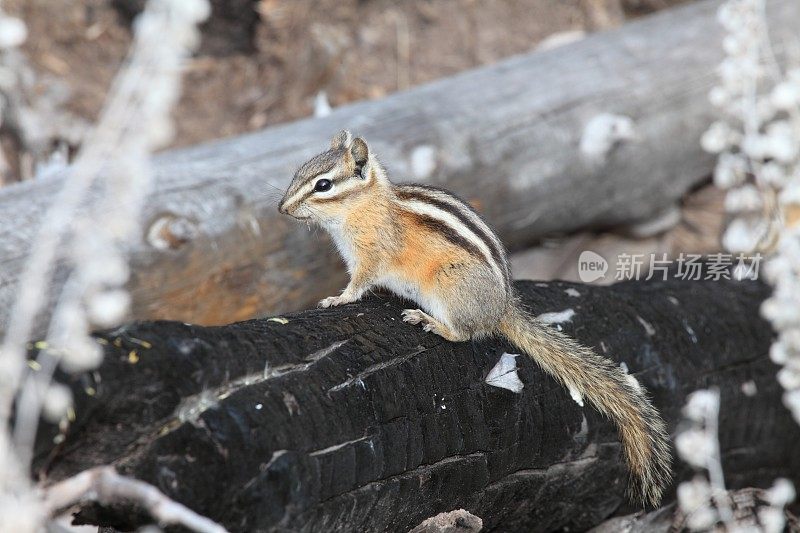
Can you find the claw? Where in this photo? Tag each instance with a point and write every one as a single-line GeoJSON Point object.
{"type": "Point", "coordinates": [412, 316]}
{"type": "Point", "coordinates": [329, 301]}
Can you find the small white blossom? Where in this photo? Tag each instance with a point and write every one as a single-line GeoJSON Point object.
{"type": "Point", "coordinates": [786, 96]}
{"type": "Point", "coordinates": [107, 308]}
{"type": "Point", "coordinates": [718, 96]}
{"type": "Point", "coordinates": [744, 198]}
{"type": "Point", "coordinates": [782, 312]}
{"type": "Point", "coordinates": [701, 519]}
{"type": "Point", "coordinates": [782, 493]}
{"type": "Point", "coordinates": [772, 174]}
{"type": "Point", "coordinates": [791, 194]}
{"type": "Point", "coordinates": [700, 405]}
{"type": "Point", "coordinates": [772, 519]}
{"type": "Point", "coordinates": [717, 138]}
{"type": "Point", "coordinates": [57, 400]}
{"type": "Point", "coordinates": [81, 353]}
{"type": "Point", "coordinates": [743, 235]}
{"type": "Point", "coordinates": [731, 170]}
{"type": "Point", "coordinates": [778, 353]}
{"type": "Point", "coordinates": [779, 142]}
{"type": "Point", "coordinates": [791, 399]}
{"type": "Point", "coordinates": [791, 339]}
{"type": "Point", "coordinates": [13, 32]}
{"type": "Point", "coordinates": [695, 447]}
{"type": "Point", "coordinates": [694, 494]}
{"type": "Point", "coordinates": [789, 378]}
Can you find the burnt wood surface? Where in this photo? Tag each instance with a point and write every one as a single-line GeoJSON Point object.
{"type": "Point", "coordinates": [348, 419]}
{"type": "Point", "coordinates": [506, 137]}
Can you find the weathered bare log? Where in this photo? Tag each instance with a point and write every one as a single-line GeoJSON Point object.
{"type": "Point", "coordinates": [348, 419]}
{"type": "Point", "coordinates": [506, 137]}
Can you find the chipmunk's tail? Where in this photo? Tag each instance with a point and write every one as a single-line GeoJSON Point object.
{"type": "Point", "coordinates": [613, 392]}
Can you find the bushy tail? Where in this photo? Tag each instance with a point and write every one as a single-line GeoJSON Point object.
{"type": "Point", "coordinates": [613, 392]}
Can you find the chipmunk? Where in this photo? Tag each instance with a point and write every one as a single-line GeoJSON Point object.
{"type": "Point", "coordinates": [428, 246]}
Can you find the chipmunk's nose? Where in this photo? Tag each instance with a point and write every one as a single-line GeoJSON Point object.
{"type": "Point", "coordinates": [282, 207]}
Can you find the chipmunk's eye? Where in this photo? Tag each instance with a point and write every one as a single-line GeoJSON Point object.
{"type": "Point", "coordinates": [322, 185]}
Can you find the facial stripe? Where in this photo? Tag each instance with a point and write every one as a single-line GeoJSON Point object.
{"type": "Point", "coordinates": [457, 208]}
{"type": "Point", "coordinates": [307, 189]}
{"type": "Point", "coordinates": [445, 231]}
{"type": "Point", "coordinates": [344, 186]}
{"type": "Point", "coordinates": [457, 226]}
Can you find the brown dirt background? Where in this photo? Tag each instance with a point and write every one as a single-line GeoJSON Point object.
{"type": "Point", "coordinates": [262, 62]}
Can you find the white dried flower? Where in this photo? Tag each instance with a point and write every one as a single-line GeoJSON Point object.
{"type": "Point", "coordinates": [701, 519]}
{"type": "Point", "coordinates": [777, 268]}
{"type": "Point", "coordinates": [789, 378]}
{"type": "Point", "coordinates": [779, 353]}
{"type": "Point", "coordinates": [765, 110]}
{"type": "Point", "coordinates": [718, 96]}
{"type": "Point", "coordinates": [789, 247]}
{"type": "Point", "coordinates": [779, 142]}
{"type": "Point", "coordinates": [790, 338]}
{"type": "Point", "coordinates": [755, 146]}
{"type": "Point", "coordinates": [81, 353]}
{"type": "Point", "coordinates": [13, 32]}
{"type": "Point", "coordinates": [759, 158]}
{"type": "Point", "coordinates": [772, 174]}
{"type": "Point", "coordinates": [791, 194]}
{"type": "Point", "coordinates": [791, 399]}
{"type": "Point", "coordinates": [782, 493]}
{"type": "Point", "coordinates": [57, 400]}
{"type": "Point", "coordinates": [193, 11]}
{"type": "Point", "coordinates": [97, 211]}
{"type": "Point", "coordinates": [108, 308]}
{"type": "Point", "coordinates": [700, 405]}
{"type": "Point", "coordinates": [694, 494]}
{"type": "Point", "coordinates": [744, 198]}
{"type": "Point", "coordinates": [695, 447]}
{"type": "Point", "coordinates": [786, 96]}
{"type": "Point", "coordinates": [743, 235]}
{"type": "Point", "coordinates": [21, 512]}
{"type": "Point", "coordinates": [731, 170]}
{"type": "Point", "coordinates": [734, 45]}
{"type": "Point", "coordinates": [717, 138]}
{"type": "Point", "coordinates": [782, 312]}
{"type": "Point", "coordinates": [772, 519]}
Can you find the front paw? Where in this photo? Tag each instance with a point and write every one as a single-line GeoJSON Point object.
{"type": "Point", "coordinates": [333, 301]}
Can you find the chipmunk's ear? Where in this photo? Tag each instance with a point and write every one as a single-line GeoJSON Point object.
{"type": "Point", "coordinates": [341, 140]}
{"type": "Point", "coordinates": [360, 151]}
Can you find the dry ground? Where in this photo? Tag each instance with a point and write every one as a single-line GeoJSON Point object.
{"type": "Point", "coordinates": [263, 62]}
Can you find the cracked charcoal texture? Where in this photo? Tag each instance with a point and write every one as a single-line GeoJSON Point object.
{"type": "Point", "coordinates": [347, 419]}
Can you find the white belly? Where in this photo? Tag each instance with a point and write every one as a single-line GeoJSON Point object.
{"type": "Point", "coordinates": [427, 302]}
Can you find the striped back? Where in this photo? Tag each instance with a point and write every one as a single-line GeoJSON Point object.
{"type": "Point", "coordinates": [444, 212]}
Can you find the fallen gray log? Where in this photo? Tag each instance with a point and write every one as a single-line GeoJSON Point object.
{"type": "Point", "coordinates": [505, 137]}
{"type": "Point", "coordinates": [348, 419]}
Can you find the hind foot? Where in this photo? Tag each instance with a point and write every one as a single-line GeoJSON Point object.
{"type": "Point", "coordinates": [416, 316]}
